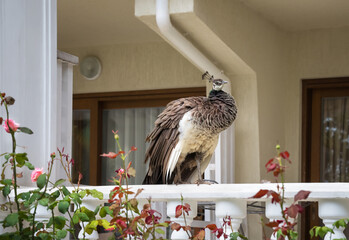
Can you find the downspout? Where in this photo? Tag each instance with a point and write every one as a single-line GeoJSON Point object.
{"type": "Point", "coordinates": [225, 148]}
{"type": "Point", "coordinates": [183, 45]}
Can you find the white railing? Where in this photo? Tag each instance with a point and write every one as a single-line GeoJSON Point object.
{"type": "Point", "coordinates": [232, 199]}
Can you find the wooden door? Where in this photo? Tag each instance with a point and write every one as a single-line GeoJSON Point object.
{"type": "Point", "coordinates": [325, 140]}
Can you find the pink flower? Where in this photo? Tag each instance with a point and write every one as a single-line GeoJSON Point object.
{"type": "Point", "coordinates": [13, 125]}
{"type": "Point", "coordinates": [36, 173]}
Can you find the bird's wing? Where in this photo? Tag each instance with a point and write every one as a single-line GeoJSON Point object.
{"type": "Point", "coordinates": [164, 138]}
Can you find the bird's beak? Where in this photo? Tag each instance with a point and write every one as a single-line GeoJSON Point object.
{"type": "Point", "coordinates": [225, 82]}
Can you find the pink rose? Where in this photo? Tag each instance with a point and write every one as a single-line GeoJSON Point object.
{"type": "Point", "coordinates": [36, 173]}
{"type": "Point", "coordinates": [13, 125]}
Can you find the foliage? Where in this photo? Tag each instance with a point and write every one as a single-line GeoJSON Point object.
{"type": "Point", "coordinates": [129, 220]}
{"type": "Point", "coordinates": [284, 228]}
{"type": "Point", "coordinates": [48, 196]}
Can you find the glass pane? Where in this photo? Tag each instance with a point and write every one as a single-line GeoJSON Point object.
{"type": "Point", "coordinates": [334, 142]}
{"type": "Point", "coordinates": [81, 145]}
{"type": "Point", "coordinates": [133, 125]}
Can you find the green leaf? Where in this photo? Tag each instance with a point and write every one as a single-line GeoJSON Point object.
{"type": "Point", "coordinates": [59, 222]}
{"type": "Point", "coordinates": [63, 206]}
{"type": "Point", "coordinates": [96, 194]}
{"type": "Point", "coordinates": [75, 218]}
{"type": "Point", "coordinates": [43, 201]}
{"type": "Point", "coordinates": [11, 220]}
{"type": "Point", "coordinates": [91, 226]}
{"type": "Point", "coordinates": [65, 191]}
{"type": "Point", "coordinates": [21, 158]}
{"type": "Point", "coordinates": [76, 198]}
{"type": "Point", "coordinates": [24, 196]}
{"type": "Point", "coordinates": [160, 231]}
{"type": "Point", "coordinates": [58, 182]}
{"type": "Point", "coordinates": [82, 193]}
{"type": "Point", "coordinates": [6, 181]}
{"type": "Point", "coordinates": [104, 211]}
{"type": "Point", "coordinates": [6, 190]}
{"type": "Point", "coordinates": [96, 209]}
{"type": "Point", "coordinates": [25, 130]}
{"type": "Point", "coordinates": [61, 234]}
{"type": "Point", "coordinates": [7, 157]}
{"type": "Point", "coordinates": [41, 181]}
{"type": "Point", "coordinates": [54, 195]}
{"type": "Point", "coordinates": [83, 217]}
{"type": "Point", "coordinates": [29, 165]}
{"type": "Point", "coordinates": [44, 236]}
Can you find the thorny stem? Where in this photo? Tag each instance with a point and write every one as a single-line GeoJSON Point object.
{"type": "Point", "coordinates": [185, 220]}
{"type": "Point", "coordinates": [20, 222]}
{"type": "Point", "coordinates": [42, 195]}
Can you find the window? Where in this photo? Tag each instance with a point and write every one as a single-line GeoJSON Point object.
{"type": "Point", "coordinates": [325, 139]}
{"type": "Point", "coordinates": [131, 113]}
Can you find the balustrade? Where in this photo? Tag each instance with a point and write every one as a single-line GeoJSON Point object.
{"type": "Point", "coordinates": [231, 200]}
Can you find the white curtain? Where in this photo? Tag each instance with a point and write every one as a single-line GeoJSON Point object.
{"type": "Point", "coordinates": [133, 126]}
{"type": "Point", "coordinates": [335, 140]}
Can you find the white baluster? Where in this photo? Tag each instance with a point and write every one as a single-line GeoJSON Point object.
{"type": "Point", "coordinates": [332, 210]}
{"type": "Point", "coordinates": [171, 212]}
{"type": "Point", "coordinates": [273, 212]}
{"type": "Point", "coordinates": [234, 208]}
{"type": "Point", "coordinates": [91, 205]}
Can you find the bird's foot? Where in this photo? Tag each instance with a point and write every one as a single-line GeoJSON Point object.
{"type": "Point", "coordinates": [205, 181]}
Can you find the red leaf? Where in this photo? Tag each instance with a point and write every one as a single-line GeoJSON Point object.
{"type": "Point", "coordinates": [300, 208]}
{"type": "Point", "coordinates": [175, 226]}
{"type": "Point", "coordinates": [275, 197]}
{"type": "Point", "coordinates": [260, 193]}
{"type": "Point", "coordinates": [269, 162]}
{"type": "Point", "coordinates": [186, 208]}
{"type": "Point", "coordinates": [1, 119]}
{"type": "Point", "coordinates": [301, 195]}
{"type": "Point", "coordinates": [200, 235]}
{"type": "Point", "coordinates": [271, 167]}
{"type": "Point", "coordinates": [179, 210]}
{"type": "Point", "coordinates": [133, 148]}
{"type": "Point", "coordinates": [273, 224]}
{"type": "Point", "coordinates": [211, 227]}
{"type": "Point", "coordinates": [109, 155]}
{"type": "Point", "coordinates": [292, 211]}
{"type": "Point", "coordinates": [285, 155]}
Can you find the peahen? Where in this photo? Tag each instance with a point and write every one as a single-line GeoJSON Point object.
{"type": "Point", "coordinates": [186, 135]}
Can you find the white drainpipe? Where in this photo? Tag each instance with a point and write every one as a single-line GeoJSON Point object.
{"type": "Point", "coordinates": [185, 47]}
{"type": "Point", "coordinates": [225, 148]}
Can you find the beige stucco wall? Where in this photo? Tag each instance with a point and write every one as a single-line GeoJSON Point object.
{"type": "Point", "coordinates": [280, 59]}
{"type": "Point", "coordinates": [309, 54]}
{"type": "Point", "coordinates": [128, 67]}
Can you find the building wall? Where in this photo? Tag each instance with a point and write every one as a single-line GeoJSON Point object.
{"type": "Point", "coordinates": [309, 54]}
{"type": "Point", "coordinates": [129, 67]}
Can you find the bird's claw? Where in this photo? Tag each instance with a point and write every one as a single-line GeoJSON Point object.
{"type": "Point", "coordinates": [205, 181]}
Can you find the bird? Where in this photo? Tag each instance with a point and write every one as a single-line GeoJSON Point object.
{"type": "Point", "coordinates": [186, 134]}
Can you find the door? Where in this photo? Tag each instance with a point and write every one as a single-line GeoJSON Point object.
{"type": "Point", "coordinates": [325, 140]}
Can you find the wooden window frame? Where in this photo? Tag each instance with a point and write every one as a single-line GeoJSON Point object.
{"type": "Point", "coordinates": [310, 170]}
{"type": "Point", "coordinates": [96, 102]}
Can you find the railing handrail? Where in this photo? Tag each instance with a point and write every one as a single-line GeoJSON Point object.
{"type": "Point", "coordinates": [213, 192]}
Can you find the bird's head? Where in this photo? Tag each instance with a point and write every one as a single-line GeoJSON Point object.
{"type": "Point", "coordinates": [217, 84]}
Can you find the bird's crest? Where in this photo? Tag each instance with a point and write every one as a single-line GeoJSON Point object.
{"type": "Point", "coordinates": [207, 76]}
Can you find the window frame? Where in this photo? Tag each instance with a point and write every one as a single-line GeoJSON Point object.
{"type": "Point", "coordinates": [96, 102]}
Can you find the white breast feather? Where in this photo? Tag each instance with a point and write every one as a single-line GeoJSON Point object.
{"type": "Point", "coordinates": [184, 125]}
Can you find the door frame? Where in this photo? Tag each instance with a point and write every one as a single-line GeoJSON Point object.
{"type": "Point", "coordinates": [310, 171]}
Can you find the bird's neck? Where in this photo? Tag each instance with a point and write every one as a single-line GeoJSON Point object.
{"type": "Point", "coordinates": [215, 93]}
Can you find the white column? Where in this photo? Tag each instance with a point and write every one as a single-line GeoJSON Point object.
{"type": "Point", "coordinates": [171, 212]}
{"type": "Point", "coordinates": [28, 61]}
{"type": "Point", "coordinates": [273, 212]}
{"type": "Point", "coordinates": [332, 210]}
{"type": "Point", "coordinates": [236, 209]}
